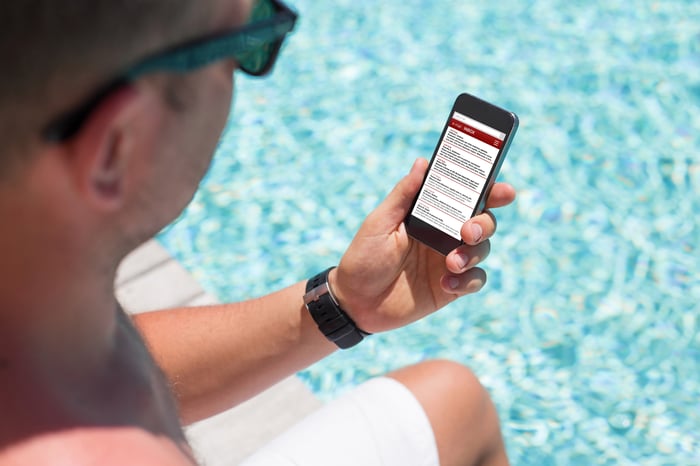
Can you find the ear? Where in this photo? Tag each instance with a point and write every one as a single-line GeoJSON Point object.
{"type": "Point", "coordinates": [101, 151]}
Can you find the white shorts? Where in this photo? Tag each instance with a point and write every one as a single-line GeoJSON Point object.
{"type": "Point", "coordinates": [378, 423]}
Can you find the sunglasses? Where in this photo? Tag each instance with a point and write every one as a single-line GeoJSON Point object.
{"type": "Point", "coordinates": [254, 46]}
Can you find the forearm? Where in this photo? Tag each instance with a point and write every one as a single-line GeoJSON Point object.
{"type": "Point", "coordinates": [218, 356]}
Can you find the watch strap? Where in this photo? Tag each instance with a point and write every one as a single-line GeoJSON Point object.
{"type": "Point", "coordinates": [332, 321]}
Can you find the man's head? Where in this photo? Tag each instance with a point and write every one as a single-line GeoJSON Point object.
{"type": "Point", "coordinates": [55, 53]}
{"type": "Point", "coordinates": [142, 147]}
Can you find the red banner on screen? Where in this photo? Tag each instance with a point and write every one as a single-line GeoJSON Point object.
{"type": "Point", "coordinates": [475, 133]}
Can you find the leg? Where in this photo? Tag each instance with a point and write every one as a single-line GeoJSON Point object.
{"type": "Point", "coordinates": [378, 423]}
{"type": "Point", "coordinates": [460, 411]}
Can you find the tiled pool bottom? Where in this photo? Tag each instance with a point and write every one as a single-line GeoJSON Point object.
{"type": "Point", "coordinates": [587, 334]}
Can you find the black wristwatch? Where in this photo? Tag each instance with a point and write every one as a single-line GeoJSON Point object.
{"type": "Point", "coordinates": [332, 321]}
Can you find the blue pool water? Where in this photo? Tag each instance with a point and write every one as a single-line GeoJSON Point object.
{"type": "Point", "coordinates": [588, 332]}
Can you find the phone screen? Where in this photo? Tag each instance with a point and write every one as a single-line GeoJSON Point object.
{"type": "Point", "coordinates": [458, 175]}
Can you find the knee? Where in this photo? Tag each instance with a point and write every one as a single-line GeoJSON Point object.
{"type": "Point", "coordinates": [459, 408]}
{"type": "Point", "coordinates": [456, 378]}
{"type": "Point", "coordinates": [450, 380]}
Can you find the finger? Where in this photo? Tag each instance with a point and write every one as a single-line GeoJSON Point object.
{"type": "Point", "coordinates": [501, 195]}
{"type": "Point", "coordinates": [464, 258]}
{"type": "Point", "coordinates": [479, 228]}
{"type": "Point", "coordinates": [394, 208]}
{"type": "Point", "coordinates": [468, 282]}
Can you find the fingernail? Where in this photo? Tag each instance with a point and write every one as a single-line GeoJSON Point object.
{"type": "Point", "coordinates": [477, 232]}
{"type": "Point", "coordinates": [462, 260]}
{"type": "Point", "coordinates": [453, 282]}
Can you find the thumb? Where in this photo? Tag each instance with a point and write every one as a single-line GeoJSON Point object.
{"type": "Point", "coordinates": [392, 211]}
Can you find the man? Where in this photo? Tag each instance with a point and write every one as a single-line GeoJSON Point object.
{"type": "Point", "coordinates": [109, 113]}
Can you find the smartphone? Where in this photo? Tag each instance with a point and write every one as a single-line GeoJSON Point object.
{"type": "Point", "coordinates": [464, 166]}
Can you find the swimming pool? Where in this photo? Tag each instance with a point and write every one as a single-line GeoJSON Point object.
{"type": "Point", "coordinates": [587, 333]}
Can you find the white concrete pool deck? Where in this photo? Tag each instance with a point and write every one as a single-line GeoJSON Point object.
{"type": "Point", "coordinates": [150, 279]}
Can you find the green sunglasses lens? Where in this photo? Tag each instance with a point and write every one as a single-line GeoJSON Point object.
{"type": "Point", "coordinates": [257, 59]}
{"type": "Point", "coordinates": [263, 9]}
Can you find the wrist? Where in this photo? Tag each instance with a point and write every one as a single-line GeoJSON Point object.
{"type": "Point", "coordinates": [326, 310]}
{"type": "Point", "coordinates": [336, 291]}
{"type": "Point", "coordinates": [348, 305]}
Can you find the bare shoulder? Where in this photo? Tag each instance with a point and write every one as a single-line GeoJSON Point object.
{"type": "Point", "coordinates": [97, 446]}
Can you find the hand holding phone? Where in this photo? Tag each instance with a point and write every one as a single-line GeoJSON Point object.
{"type": "Point", "coordinates": [464, 166]}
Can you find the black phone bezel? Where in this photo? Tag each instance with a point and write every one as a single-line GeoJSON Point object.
{"type": "Point", "coordinates": [490, 115]}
